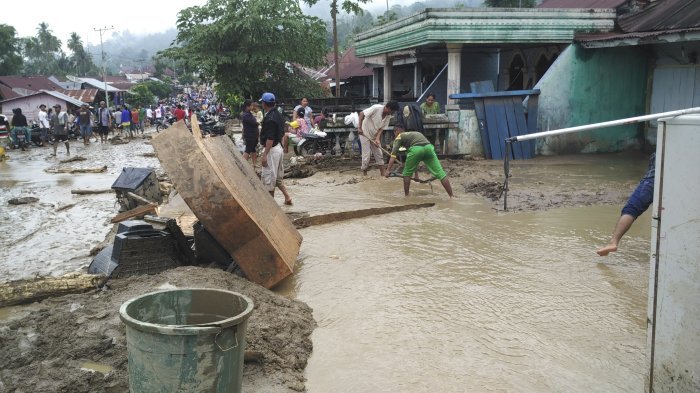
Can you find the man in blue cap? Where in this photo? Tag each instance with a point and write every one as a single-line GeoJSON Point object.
{"type": "Point", "coordinates": [271, 137]}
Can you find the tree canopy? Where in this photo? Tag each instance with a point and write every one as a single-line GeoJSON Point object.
{"type": "Point", "coordinates": [10, 58]}
{"type": "Point", "coordinates": [247, 46]}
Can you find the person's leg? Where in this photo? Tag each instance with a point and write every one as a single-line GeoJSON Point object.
{"type": "Point", "coordinates": [638, 203]}
{"type": "Point", "coordinates": [624, 223]}
{"type": "Point", "coordinates": [254, 158]}
{"type": "Point", "coordinates": [406, 185]}
{"type": "Point", "coordinates": [413, 157]}
{"type": "Point", "coordinates": [432, 162]}
{"type": "Point", "coordinates": [366, 153]}
{"type": "Point", "coordinates": [378, 157]}
{"type": "Point", "coordinates": [279, 164]}
{"type": "Point", "coordinates": [67, 147]}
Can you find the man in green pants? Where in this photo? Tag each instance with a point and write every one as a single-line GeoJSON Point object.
{"type": "Point", "coordinates": [418, 149]}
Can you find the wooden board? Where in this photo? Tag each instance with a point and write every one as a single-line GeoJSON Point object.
{"type": "Point", "coordinates": [303, 222]}
{"type": "Point", "coordinates": [517, 150]}
{"type": "Point", "coordinates": [522, 127]}
{"type": "Point", "coordinates": [230, 201]}
{"type": "Point", "coordinates": [483, 126]}
{"type": "Point", "coordinates": [492, 128]}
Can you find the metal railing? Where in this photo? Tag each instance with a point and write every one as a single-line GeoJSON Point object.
{"type": "Point", "coordinates": [569, 130]}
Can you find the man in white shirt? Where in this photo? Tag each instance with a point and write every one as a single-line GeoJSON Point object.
{"type": "Point", "coordinates": [371, 124]}
{"type": "Point", "coordinates": [44, 123]}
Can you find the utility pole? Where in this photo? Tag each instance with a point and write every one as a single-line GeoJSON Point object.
{"type": "Point", "coordinates": [104, 69]}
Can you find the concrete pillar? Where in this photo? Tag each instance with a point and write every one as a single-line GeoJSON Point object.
{"type": "Point", "coordinates": [375, 82]}
{"type": "Point", "coordinates": [454, 70]}
{"type": "Point", "coordinates": [388, 64]}
{"type": "Point", "coordinates": [417, 86]}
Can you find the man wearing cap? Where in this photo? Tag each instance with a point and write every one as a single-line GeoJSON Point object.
{"type": "Point", "coordinates": [418, 149]}
{"type": "Point", "coordinates": [271, 137]}
{"type": "Point", "coordinates": [372, 122]}
{"type": "Point", "coordinates": [58, 121]}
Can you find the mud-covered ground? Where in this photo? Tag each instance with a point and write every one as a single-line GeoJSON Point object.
{"type": "Point", "coordinates": [47, 346]}
{"type": "Point", "coordinates": [51, 346]}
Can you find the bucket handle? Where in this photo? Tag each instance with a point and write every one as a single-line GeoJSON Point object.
{"type": "Point", "coordinates": [235, 336]}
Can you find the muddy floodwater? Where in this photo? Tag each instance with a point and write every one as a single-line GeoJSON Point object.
{"type": "Point", "coordinates": [54, 235]}
{"type": "Point", "coordinates": [463, 298]}
{"type": "Point", "coordinates": [460, 297]}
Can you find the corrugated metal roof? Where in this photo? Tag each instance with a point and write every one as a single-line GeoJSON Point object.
{"type": "Point", "coordinates": [99, 84]}
{"type": "Point", "coordinates": [56, 94]}
{"type": "Point", "coordinates": [84, 95]}
{"type": "Point", "coordinates": [657, 19]}
{"type": "Point", "coordinates": [6, 93]}
{"type": "Point", "coordinates": [123, 85]}
{"type": "Point", "coordinates": [352, 66]}
{"type": "Point", "coordinates": [589, 40]}
{"type": "Point", "coordinates": [662, 15]}
{"type": "Point", "coordinates": [581, 3]}
{"type": "Point", "coordinates": [30, 83]}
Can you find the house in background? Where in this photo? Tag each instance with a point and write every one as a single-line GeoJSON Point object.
{"type": "Point", "coordinates": [599, 61]}
{"type": "Point", "coordinates": [648, 64]}
{"type": "Point", "coordinates": [17, 86]}
{"type": "Point", "coordinates": [30, 103]}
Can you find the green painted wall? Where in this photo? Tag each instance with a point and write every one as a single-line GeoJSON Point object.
{"type": "Point", "coordinates": [587, 86]}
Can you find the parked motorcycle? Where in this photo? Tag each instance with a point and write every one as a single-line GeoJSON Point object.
{"type": "Point", "coordinates": [313, 143]}
{"type": "Point", "coordinates": [164, 123]}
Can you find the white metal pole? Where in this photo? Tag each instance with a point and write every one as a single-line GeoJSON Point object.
{"type": "Point", "coordinates": [104, 69]}
{"type": "Point", "coordinates": [612, 123]}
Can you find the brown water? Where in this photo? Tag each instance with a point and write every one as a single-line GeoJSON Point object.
{"type": "Point", "coordinates": [36, 238]}
{"type": "Point", "coordinates": [461, 298]}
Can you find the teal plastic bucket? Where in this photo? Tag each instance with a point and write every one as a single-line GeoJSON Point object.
{"type": "Point", "coordinates": [186, 340]}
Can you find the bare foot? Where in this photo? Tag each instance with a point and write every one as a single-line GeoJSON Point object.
{"type": "Point", "coordinates": [288, 202]}
{"type": "Point", "coordinates": [607, 250]}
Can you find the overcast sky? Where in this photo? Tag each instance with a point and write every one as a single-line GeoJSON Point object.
{"type": "Point", "coordinates": [136, 16]}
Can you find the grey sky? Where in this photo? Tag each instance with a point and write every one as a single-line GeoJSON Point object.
{"type": "Point", "coordinates": [136, 16]}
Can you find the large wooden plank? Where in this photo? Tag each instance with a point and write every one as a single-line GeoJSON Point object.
{"type": "Point", "coordinates": [228, 198]}
{"type": "Point", "coordinates": [483, 126]}
{"type": "Point", "coordinates": [491, 110]}
{"type": "Point", "coordinates": [517, 148]}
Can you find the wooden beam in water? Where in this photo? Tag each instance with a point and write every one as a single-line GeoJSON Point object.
{"type": "Point", "coordinates": [303, 222]}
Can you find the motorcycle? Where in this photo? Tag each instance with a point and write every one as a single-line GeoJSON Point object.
{"type": "Point", "coordinates": [313, 143]}
{"type": "Point", "coordinates": [164, 123]}
{"type": "Point", "coordinates": [20, 139]}
{"type": "Point", "coordinates": [35, 132]}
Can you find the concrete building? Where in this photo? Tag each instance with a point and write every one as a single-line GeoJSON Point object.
{"type": "Point", "coordinates": [590, 64]}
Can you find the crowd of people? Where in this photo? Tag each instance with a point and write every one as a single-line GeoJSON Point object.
{"type": "Point", "coordinates": [269, 130]}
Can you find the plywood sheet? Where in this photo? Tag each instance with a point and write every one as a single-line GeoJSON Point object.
{"type": "Point", "coordinates": [227, 197]}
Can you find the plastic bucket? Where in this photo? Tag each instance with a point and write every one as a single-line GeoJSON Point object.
{"type": "Point", "coordinates": [186, 340]}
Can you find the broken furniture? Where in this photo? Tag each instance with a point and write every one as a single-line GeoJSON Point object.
{"type": "Point", "coordinates": [138, 249]}
{"type": "Point", "coordinates": [135, 187]}
{"type": "Point", "coordinates": [228, 198]}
